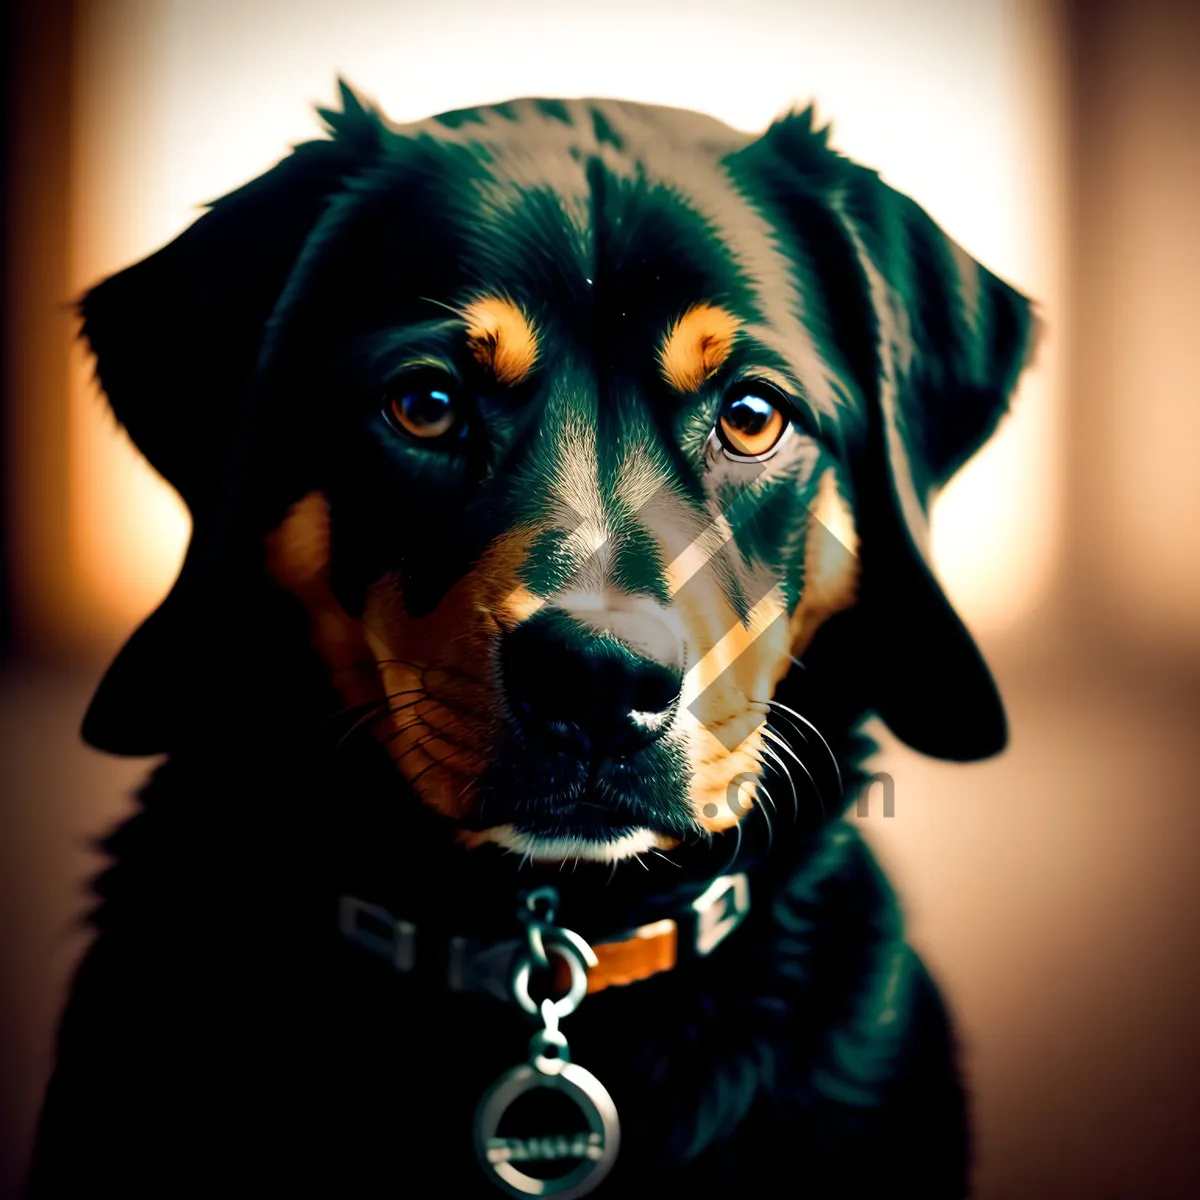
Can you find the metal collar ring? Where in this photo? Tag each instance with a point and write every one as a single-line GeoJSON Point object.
{"type": "Point", "coordinates": [579, 957]}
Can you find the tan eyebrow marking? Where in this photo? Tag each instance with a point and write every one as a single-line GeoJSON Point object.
{"type": "Point", "coordinates": [502, 338]}
{"type": "Point", "coordinates": [696, 346]}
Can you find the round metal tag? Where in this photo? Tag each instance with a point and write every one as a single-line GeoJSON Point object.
{"type": "Point", "coordinates": [542, 1133]}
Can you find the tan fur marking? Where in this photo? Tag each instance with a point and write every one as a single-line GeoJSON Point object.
{"type": "Point", "coordinates": [736, 668]}
{"type": "Point", "coordinates": [697, 345]}
{"type": "Point", "coordinates": [831, 567]}
{"type": "Point", "coordinates": [502, 338]}
{"type": "Point", "coordinates": [730, 713]}
{"type": "Point", "coordinates": [439, 670]}
{"type": "Point", "coordinates": [429, 676]}
{"type": "Point", "coordinates": [500, 570]}
{"type": "Point", "coordinates": [297, 557]}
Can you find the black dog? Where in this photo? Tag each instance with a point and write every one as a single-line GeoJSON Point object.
{"type": "Point", "coordinates": [560, 474]}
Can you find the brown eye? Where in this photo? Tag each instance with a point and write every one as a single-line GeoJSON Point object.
{"type": "Point", "coordinates": [750, 425]}
{"type": "Point", "coordinates": [423, 412]}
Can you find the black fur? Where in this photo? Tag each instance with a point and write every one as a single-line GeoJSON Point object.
{"type": "Point", "coordinates": [220, 1039]}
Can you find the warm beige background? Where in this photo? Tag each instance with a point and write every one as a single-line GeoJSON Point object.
{"type": "Point", "coordinates": [959, 105]}
{"type": "Point", "coordinates": [1053, 889]}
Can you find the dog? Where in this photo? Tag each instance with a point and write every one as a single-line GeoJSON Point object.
{"type": "Point", "coordinates": [560, 475]}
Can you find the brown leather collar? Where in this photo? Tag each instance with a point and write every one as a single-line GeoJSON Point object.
{"type": "Point", "coordinates": [629, 956]}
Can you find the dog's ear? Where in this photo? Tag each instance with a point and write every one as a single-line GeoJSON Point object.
{"type": "Point", "coordinates": [177, 340]}
{"type": "Point", "coordinates": [176, 337]}
{"type": "Point", "coordinates": [952, 340]}
{"type": "Point", "coordinates": [937, 344]}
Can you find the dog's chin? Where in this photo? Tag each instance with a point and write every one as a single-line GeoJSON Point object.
{"type": "Point", "coordinates": [568, 845]}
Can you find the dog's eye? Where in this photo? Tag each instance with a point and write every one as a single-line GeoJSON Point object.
{"type": "Point", "coordinates": [750, 424]}
{"type": "Point", "coordinates": [423, 412]}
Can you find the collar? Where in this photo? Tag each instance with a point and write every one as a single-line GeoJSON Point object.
{"type": "Point", "coordinates": [691, 931]}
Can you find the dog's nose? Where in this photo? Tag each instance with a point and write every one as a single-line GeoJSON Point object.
{"type": "Point", "coordinates": [602, 691]}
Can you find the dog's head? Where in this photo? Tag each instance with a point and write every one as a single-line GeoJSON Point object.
{"type": "Point", "coordinates": [570, 424]}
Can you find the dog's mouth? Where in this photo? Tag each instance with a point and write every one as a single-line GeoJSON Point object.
{"type": "Point", "coordinates": [584, 830]}
{"type": "Point", "coordinates": [583, 842]}
{"type": "Point", "coordinates": [551, 804]}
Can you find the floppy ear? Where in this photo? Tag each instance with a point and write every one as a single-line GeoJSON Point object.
{"type": "Point", "coordinates": [952, 341]}
{"type": "Point", "coordinates": [176, 340]}
{"type": "Point", "coordinates": [937, 343]}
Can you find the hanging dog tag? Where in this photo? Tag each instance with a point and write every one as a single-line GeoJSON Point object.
{"type": "Point", "coordinates": [548, 1127]}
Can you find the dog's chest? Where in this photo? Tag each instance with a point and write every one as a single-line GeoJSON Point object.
{"type": "Point", "coordinates": [379, 1078]}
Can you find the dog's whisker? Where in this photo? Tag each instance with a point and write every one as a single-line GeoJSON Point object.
{"type": "Point", "coordinates": [409, 705]}
{"type": "Point", "coordinates": [433, 668]}
{"type": "Point", "coordinates": [782, 743]}
{"type": "Point", "coordinates": [737, 849]}
{"type": "Point", "coordinates": [433, 762]}
{"type": "Point", "coordinates": [781, 767]}
{"type": "Point", "coordinates": [442, 304]}
{"type": "Point", "coordinates": [762, 787]}
{"type": "Point", "coordinates": [770, 798]}
{"type": "Point", "coordinates": [464, 680]}
{"type": "Point", "coordinates": [362, 664]}
{"type": "Point", "coordinates": [454, 713]}
{"type": "Point", "coordinates": [828, 748]}
{"type": "Point", "coordinates": [416, 723]}
{"type": "Point", "coordinates": [458, 750]}
{"type": "Point", "coordinates": [435, 735]}
{"type": "Point", "coordinates": [794, 725]}
{"type": "Point", "coordinates": [464, 793]}
{"type": "Point", "coordinates": [413, 691]}
{"type": "Point", "coordinates": [418, 744]}
{"type": "Point", "coordinates": [329, 718]}
{"type": "Point", "coordinates": [460, 711]}
{"type": "Point", "coordinates": [378, 712]}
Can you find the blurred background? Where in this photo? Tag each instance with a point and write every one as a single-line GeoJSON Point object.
{"type": "Point", "coordinates": [1052, 889]}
